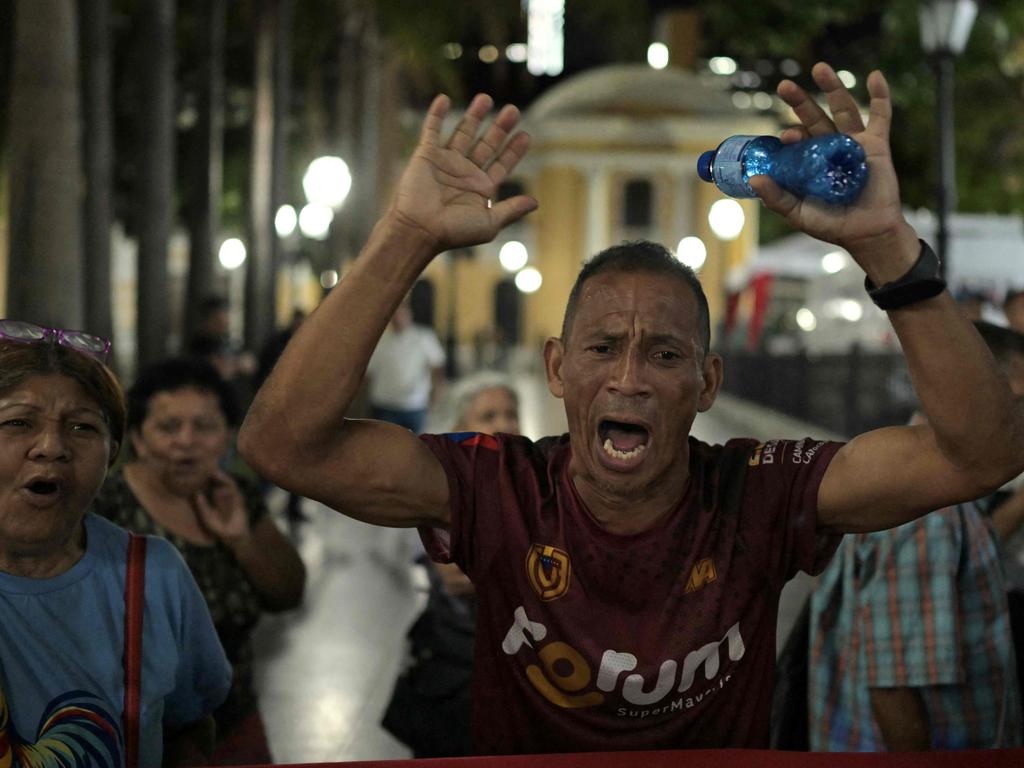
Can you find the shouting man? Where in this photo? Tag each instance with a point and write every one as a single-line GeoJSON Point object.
{"type": "Point", "coordinates": [628, 575]}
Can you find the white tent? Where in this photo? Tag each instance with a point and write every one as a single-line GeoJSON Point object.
{"type": "Point", "coordinates": [986, 252]}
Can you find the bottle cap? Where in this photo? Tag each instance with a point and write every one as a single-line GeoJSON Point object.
{"type": "Point", "coordinates": [704, 163]}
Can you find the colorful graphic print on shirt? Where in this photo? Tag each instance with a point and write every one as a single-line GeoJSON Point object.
{"type": "Point", "coordinates": [75, 731]}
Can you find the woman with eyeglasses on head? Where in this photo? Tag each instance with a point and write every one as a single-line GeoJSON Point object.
{"type": "Point", "coordinates": [101, 663]}
{"type": "Point", "coordinates": [181, 417]}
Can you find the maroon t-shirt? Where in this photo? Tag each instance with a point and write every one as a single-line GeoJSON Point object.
{"type": "Point", "coordinates": [592, 641]}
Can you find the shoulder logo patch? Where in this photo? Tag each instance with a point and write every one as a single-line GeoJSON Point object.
{"type": "Point", "coordinates": [549, 571]}
{"type": "Point", "coordinates": [471, 439]}
{"type": "Point", "coordinates": [702, 573]}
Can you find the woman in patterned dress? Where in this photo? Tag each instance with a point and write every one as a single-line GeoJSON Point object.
{"type": "Point", "coordinates": [181, 417]}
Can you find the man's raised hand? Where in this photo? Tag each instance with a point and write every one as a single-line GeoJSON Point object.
{"type": "Point", "coordinates": [876, 217]}
{"type": "Point", "coordinates": [448, 190]}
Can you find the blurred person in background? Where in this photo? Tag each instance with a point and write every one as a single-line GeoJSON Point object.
{"type": "Point", "coordinates": [63, 572]}
{"type": "Point", "coordinates": [274, 346]}
{"type": "Point", "coordinates": [1005, 507]}
{"type": "Point", "coordinates": [271, 350]}
{"type": "Point", "coordinates": [430, 707]}
{"type": "Point", "coordinates": [911, 643]}
{"type": "Point", "coordinates": [406, 371]}
{"type": "Point", "coordinates": [181, 418]}
{"type": "Point", "coordinates": [212, 342]}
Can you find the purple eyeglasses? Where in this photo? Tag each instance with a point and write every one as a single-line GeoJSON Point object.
{"type": "Point", "coordinates": [80, 341]}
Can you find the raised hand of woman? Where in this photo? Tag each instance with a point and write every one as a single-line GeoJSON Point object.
{"type": "Point", "coordinates": [221, 509]}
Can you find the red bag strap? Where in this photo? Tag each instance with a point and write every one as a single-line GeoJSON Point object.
{"type": "Point", "coordinates": [134, 599]}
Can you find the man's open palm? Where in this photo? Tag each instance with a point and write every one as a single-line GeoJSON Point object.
{"type": "Point", "coordinates": [448, 189]}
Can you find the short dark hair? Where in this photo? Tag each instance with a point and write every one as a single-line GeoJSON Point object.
{"type": "Point", "coordinates": [1004, 343]}
{"type": "Point", "coordinates": [640, 256]}
{"type": "Point", "coordinates": [19, 362]}
{"type": "Point", "coordinates": [176, 374]}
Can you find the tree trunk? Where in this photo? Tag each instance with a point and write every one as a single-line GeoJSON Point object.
{"type": "Point", "coordinates": [259, 277]}
{"type": "Point", "coordinates": [282, 125]}
{"type": "Point", "coordinates": [208, 171]}
{"type": "Point", "coordinates": [45, 264]}
{"type": "Point", "coordinates": [98, 135]}
{"type": "Point", "coordinates": [364, 206]}
{"type": "Point", "coordinates": [155, 196]}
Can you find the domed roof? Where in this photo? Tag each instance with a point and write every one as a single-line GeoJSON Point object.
{"type": "Point", "coordinates": [634, 89]}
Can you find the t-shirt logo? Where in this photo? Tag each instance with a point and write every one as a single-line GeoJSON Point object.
{"type": "Point", "coordinates": [549, 571]}
{"type": "Point", "coordinates": [703, 573]}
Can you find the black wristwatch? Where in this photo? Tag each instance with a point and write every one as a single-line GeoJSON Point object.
{"type": "Point", "coordinates": [923, 281]}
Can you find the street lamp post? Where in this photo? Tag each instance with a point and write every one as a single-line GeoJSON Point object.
{"type": "Point", "coordinates": [945, 27]}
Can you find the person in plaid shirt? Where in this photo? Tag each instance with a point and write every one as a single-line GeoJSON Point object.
{"type": "Point", "coordinates": [911, 646]}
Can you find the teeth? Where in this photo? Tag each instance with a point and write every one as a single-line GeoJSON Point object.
{"type": "Point", "coordinates": [615, 453]}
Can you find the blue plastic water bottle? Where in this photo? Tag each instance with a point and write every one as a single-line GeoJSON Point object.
{"type": "Point", "coordinates": [831, 168]}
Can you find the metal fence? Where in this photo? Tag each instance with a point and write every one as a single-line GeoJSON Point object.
{"type": "Point", "coordinates": [846, 393]}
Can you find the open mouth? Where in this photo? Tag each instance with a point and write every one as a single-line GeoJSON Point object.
{"type": "Point", "coordinates": [622, 440]}
{"type": "Point", "coordinates": [44, 487]}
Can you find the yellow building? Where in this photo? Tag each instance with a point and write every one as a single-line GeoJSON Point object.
{"type": "Point", "coordinates": [613, 157]}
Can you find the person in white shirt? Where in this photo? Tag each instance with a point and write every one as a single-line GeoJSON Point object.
{"type": "Point", "coordinates": [406, 371]}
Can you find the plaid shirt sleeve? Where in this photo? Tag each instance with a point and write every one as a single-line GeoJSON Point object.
{"type": "Point", "coordinates": [908, 603]}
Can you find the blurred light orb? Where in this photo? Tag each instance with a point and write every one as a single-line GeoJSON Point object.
{"type": "Point", "coordinates": [657, 55]}
{"type": "Point", "coordinates": [726, 219]}
{"type": "Point", "coordinates": [806, 319]}
{"type": "Point", "coordinates": [488, 54]}
{"type": "Point", "coordinates": [285, 221]}
{"type": "Point", "coordinates": [741, 100]}
{"type": "Point", "coordinates": [833, 262]}
{"type": "Point", "coordinates": [851, 309]}
{"type": "Point", "coordinates": [692, 252]}
{"type": "Point", "coordinates": [747, 80]}
{"type": "Point", "coordinates": [516, 53]}
{"type": "Point", "coordinates": [452, 51]}
{"type": "Point", "coordinates": [722, 65]}
{"type": "Point", "coordinates": [315, 221]}
{"type": "Point", "coordinates": [847, 78]}
{"type": "Point", "coordinates": [327, 181]}
{"type": "Point", "coordinates": [789, 67]}
{"type": "Point", "coordinates": [528, 280]}
{"type": "Point", "coordinates": [232, 253]}
{"type": "Point", "coordinates": [328, 278]}
{"type": "Point", "coordinates": [762, 100]}
{"type": "Point", "coordinates": [513, 256]}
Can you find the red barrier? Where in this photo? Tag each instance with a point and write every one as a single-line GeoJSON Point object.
{"type": "Point", "coordinates": [714, 758]}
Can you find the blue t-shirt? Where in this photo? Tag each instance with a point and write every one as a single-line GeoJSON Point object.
{"type": "Point", "coordinates": [61, 650]}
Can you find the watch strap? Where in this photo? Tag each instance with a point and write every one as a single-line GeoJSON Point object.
{"type": "Point", "coordinates": [923, 281]}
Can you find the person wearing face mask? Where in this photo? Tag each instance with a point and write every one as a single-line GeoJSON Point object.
{"type": "Point", "coordinates": [181, 415]}
{"type": "Point", "coordinates": [430, 707]}
{"type": "Point", "coordinates": [92, 671]}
